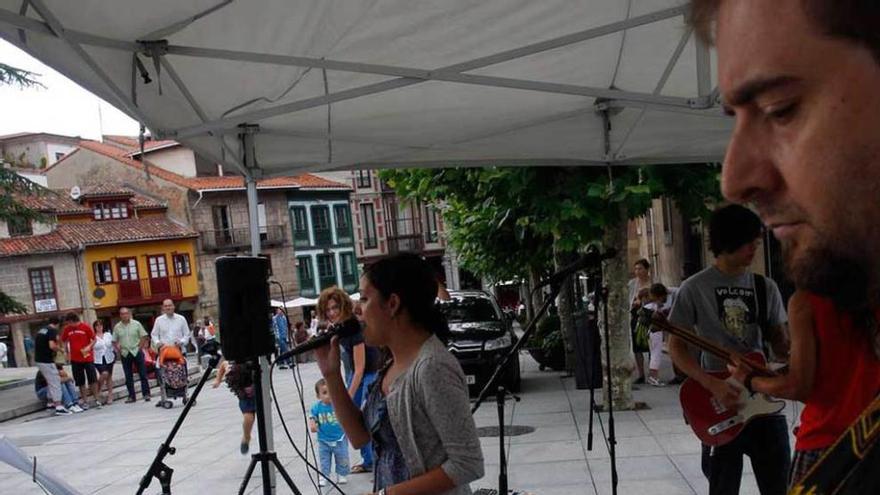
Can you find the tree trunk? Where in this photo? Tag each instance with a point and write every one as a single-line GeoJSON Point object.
{"type": "Point", "coordinates": [527, 301]}
{"type": "Point", "coordinates": [615, 278]}
{"type": "Point", "coordinates": [535, 302]}
{"type": "Point", "coordinates": [565, 304]}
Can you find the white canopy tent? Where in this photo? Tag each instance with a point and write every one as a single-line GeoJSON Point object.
{"type": "Point", "coordinates": [328, 85]}
{"type": "Point", "coordinates": [276, 87]}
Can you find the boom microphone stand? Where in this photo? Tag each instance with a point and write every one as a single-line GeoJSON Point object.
{"type": "Point", "coordinates": [592, 259]}
{"type": "Point", "coordinates": [612, 438]}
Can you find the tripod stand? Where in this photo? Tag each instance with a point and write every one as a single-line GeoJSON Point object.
{"type": "Point", "coordinates": [264, 456]}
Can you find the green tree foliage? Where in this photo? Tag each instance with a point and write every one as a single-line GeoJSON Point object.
{"type": "Point", "coordinates": [12, 185]}
{"type": "Point", "coordinates": [501, 220]}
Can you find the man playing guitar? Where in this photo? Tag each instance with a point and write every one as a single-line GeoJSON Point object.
{"type": "Point", "coordinates": [800, 78]}
{"type": "Point", "coordinates": [739, 311]}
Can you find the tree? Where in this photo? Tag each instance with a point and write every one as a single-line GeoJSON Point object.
{"type": "Point", "coordinates": [504, 221]}
{"type": "Point", "coordinates": [18, 77]}
{"type": "Point", "coordinates": [12, 185]}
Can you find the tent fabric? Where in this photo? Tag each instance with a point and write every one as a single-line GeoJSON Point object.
{"type": "Point", "coordinates": [335, 85]}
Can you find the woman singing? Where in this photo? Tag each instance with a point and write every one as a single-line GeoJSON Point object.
{"type": "Point", "coordinates": [417, 413]}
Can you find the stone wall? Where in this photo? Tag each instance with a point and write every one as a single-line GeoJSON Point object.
{"type": "Point", "coordinates": [282, 256]}
{"type": "Point", "coordinates": [16, 283]}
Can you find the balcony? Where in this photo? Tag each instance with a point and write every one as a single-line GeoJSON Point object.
{"type": "Point", "coordinates": [413, 243]}
{"type": "Point", "coordinates": [240, 238]}
{"type": "Point", "coordinates": [148, 290]}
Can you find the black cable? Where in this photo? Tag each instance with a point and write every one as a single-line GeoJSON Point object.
{"type": "Point", "coordinates": [297, 381]}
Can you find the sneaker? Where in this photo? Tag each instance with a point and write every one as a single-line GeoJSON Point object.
{"type": "Point", "coordinates": [147, 399]}
{"type": "Point", "coordinates": [130, 400]}
{"type": "Point", "coordinates": [244, 448]}
{"type": "Point", "coordinates": [83, 406]}
{"type": "Point", "coordinates": [341, 480]}
{"type": "Point", "coordinates": [98, 405]}
{"type": "Point", "coordinates": [283, 367]}
{"type": "Point", "coordinates": [75, 409]}
{"type": "Point", "coordinates": [655, 382]}
{"type": "Point", "coordinates": [62, 411]}
{"type": "Point", "coordinates": [322, 481]}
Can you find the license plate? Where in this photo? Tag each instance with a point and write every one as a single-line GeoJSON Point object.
{"type": "Point", "coordinates": [471, 379]}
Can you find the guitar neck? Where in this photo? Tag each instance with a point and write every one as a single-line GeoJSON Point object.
{"type": "Point", "coordinates": [705, 344]}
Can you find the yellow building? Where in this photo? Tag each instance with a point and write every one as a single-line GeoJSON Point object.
{"type": "Point", "coordinates": [132, 254]}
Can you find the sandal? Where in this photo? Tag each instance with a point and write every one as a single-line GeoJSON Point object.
{"type": "Point", "coordinates": [360, 468]}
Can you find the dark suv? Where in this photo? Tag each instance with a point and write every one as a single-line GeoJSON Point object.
{"type": "Point", "coordinates": [481, 334]}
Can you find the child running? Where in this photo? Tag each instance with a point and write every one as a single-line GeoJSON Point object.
{"type": "Point", "coordinates": [239, 379]}
{"type": "Point", "coordinates": [331, 438]}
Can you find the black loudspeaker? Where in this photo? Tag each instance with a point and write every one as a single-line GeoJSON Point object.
{"type": "Point", "coordinates": [588, 365]}
{"type": "Point", "coordinates": [243, 289]}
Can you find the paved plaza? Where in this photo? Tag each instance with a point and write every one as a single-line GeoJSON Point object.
{"type": "Point", "coordinates": [107, 451]}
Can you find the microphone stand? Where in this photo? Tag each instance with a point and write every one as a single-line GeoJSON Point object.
{"type": "Point", "coordinates": [502, 366]}
{"type": "Point", "coordinates": [158, 469]}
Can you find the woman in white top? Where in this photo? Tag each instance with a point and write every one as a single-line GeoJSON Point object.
{"type": "Point", "coordinates": [104, 359]}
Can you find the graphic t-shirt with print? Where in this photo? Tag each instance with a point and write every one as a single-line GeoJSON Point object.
{"type": "Point", "coordinates": [724, 309]}
{"type": "Point", "coordinates": [329, 429]}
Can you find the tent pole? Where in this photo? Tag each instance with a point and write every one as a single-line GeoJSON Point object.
{"type": "Point", "coordinates": [252, 174]}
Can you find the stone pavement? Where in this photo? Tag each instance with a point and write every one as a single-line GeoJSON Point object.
{"type": "Point", "coordinates": [107, 451]}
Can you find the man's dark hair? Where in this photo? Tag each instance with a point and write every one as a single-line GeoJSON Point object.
{"type": "Point", "coordinates": [71, 317]}
{"type": "Point", "coordinates": [854, 20]}
{"type": "Point", "coordinates": [732, 227]}
{"type": "Point", "coordinates": [54, 320]}
{"type": "Point", "coordinates": [644, 263]}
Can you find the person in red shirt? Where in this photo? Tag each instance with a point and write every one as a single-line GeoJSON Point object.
{"type": "Point", "coordinates": [80, 340]}
{"type": "Point", "coordinates": [832, 370]}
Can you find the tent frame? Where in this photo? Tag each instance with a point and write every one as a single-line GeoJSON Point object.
{"type": "Point", "coordinates": [157, 49]}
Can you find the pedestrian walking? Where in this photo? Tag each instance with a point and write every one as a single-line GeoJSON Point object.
{"type": "Point", "coordinates": [169, 328]}
{"type": "Point", "coordinates": [80, 340]}
{"type": "Point", "coordinates": [130, 340]}
{"type": "Point", "coordinates": [105, 358]}
{"type": "Point", "coordinates": [281, 325]}
{"type": "Point", "coordinates": [4, 355]}
{"type": "Point", "coordinates": [332, 444]}
{"type": "Point", "coordinates": [239, 379]}
{"type": "Point", "coordinates": [45, 346]}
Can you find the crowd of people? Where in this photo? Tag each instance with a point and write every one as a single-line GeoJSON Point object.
{"type": "Point", "coordinates": [93, 351]}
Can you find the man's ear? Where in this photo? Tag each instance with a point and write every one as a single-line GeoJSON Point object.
{"type": "Point", "coordinates": [393, 303]}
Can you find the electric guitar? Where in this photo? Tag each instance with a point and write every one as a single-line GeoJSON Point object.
{"type": "Point", "coordinates": [711, 421]}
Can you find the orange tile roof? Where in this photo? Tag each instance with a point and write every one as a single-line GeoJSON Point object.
{"type": "Point", "coordinates": [204, 183]}
{"type": "Point", "coordinates": [51, 201]}
{"type": "Point", "coordinates": [119, 154]}
{"type": "Point", "coordinates": [121, 231]}
{"type": "Point", "coordinates": [34, 244]}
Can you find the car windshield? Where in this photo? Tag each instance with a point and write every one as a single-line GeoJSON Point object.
{"type": "Point", "coordinates": [468, 309]}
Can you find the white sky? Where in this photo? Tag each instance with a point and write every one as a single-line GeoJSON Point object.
{"type": "Point", "coordinates": [63, 107]}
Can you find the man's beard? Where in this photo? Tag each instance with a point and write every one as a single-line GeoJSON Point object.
{"type": "Point", "coordinates": [843, 279]}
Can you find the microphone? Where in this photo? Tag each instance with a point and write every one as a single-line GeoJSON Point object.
{"type": "Point", "coordinates": [344, 329]}
{"type": "Point", "coordinates": [590, 259]}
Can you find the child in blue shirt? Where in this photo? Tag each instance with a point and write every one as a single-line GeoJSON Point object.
{"type": "Point", "coordinates": [331, 439]}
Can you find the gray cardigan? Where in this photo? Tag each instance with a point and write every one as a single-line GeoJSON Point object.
{"type": "Point", "coordinates": [430, 414]}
